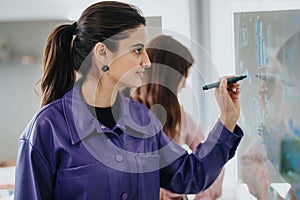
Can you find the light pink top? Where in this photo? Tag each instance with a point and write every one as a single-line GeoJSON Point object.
{"type": "Point", "coordinates": [191, 135]}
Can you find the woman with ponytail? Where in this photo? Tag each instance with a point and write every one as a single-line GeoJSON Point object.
{"type": "Point", "coordinates": [88, 141]}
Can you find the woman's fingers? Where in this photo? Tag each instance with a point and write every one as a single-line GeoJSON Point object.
{"type": "Point", "coordinates": [227, 96]}
{"type": "Point", "coordinates": [234, 93]}
{"type": "Point", "coordinates": [234, 90]}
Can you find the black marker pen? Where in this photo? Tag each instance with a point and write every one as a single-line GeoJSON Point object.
{"type": "Point", "coordinates": [229, 81]}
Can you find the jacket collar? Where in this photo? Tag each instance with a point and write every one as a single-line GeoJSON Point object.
{"type": "Point", "coordinates": [82, 123]}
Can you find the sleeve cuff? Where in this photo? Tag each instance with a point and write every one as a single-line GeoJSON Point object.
{"type": "Point", "coordinates": [224, 136]}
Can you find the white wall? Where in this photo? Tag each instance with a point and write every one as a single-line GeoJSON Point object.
{"type": "Point", "coordinates": [175, 15]}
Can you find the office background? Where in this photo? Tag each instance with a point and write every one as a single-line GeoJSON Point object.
{"type": "Point", "coordinates": [206, 24]}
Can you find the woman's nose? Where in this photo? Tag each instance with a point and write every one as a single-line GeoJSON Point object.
{"type": "Point", "coordinates": [146, 63]}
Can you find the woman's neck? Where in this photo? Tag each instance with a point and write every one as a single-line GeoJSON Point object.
{"type": "Point", "coordinates": [98, 95]}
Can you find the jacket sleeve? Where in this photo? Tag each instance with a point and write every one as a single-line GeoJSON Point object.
{"type": "Point", "coordinates": [194, 136]}
{"type": "Point", "coordinates": [192, 173]}
{"type": "Point", "coordinates": [34, 178]}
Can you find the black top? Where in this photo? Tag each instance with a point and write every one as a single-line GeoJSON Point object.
{"type": "Point", "coordinates": [107, 115]}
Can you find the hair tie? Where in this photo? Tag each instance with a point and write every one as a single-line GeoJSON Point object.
{"type": "Point", "coordinates": [74, 26]}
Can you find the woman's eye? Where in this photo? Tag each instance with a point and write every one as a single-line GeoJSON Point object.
{"type": "Point", "coordinates": [138, 50]}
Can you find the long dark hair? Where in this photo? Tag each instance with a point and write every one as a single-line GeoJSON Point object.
{"type": "Point", "coordinates": [170, 62]}
{"type": "Point", "coordinates": [63, 55]}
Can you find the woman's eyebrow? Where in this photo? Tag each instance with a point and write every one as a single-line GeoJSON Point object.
{"type": "Point", "coordinates": [138, 45]}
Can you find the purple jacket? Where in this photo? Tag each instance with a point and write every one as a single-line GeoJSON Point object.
{"type": "Point", "coordinates": [66, 153]}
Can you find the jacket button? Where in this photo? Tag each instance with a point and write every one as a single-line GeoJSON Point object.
{"type": "Point", "coordinates": [102, 127]}
{"type": "Point", "coordinates": [119, 158]}
{"type": "Point", "coordinates": [124, 196]}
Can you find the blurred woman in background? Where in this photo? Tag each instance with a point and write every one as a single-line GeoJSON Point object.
{"type": "Point", "coordinates": [171, 62]}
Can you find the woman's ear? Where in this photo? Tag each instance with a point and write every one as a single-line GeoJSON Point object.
{"type": "Point", "coordinates": [100, 52]}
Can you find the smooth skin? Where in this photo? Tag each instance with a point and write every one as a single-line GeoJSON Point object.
{"type": "Point", "coordinates": [126, 68]}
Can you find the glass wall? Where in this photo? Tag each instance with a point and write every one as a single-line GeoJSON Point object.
{"type": "Point", "coordinates": [267, 50]}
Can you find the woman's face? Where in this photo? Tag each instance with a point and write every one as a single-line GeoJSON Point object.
{"type": "Point", "coordinates": [129, 62]}
{"type": "Point", "coordinates": [182, 83]}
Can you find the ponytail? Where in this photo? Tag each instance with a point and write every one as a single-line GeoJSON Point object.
{"type": "Point", "coordinates": [58, 69]}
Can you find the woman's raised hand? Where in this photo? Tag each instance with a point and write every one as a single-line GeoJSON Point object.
{"type": "Point", "coordinates": [228, 99]}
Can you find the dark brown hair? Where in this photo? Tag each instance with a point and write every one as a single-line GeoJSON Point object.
{"type": "Point", "coordinates": [170, 63]}
{"type": "Point", "coordinates": [63, 56]}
